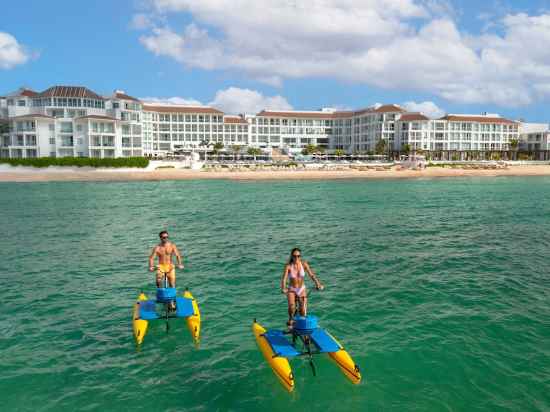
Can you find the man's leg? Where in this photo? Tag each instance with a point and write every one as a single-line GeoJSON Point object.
{"type": "Point", "coordinates": [172, 278]}
{"type": "Point", "coordinates": [172, 282]}
{"type": "Point", "coordinates": [159, 278]}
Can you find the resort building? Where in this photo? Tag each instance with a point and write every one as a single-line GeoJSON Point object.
{"type": "Point", "coordinates": [535, 137]}
{"type": "Point", "coordinates": [454, 132]}
{"type": "Point", "coordinates": [167, 128]}
{"type": "Point", "coordinates": [294, 130]}
{"type": "Point", "coordinates": [75, 121]}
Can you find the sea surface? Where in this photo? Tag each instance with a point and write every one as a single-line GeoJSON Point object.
{"type": "Point", "coordinates": [438, 288]}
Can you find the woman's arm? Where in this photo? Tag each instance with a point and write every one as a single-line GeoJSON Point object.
{"type": "Point", "coordinates": [309, 271]}
{"type": "Point", "coordinates": [283, 280]}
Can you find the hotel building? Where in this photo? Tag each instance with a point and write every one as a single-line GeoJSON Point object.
{"type": "Point", "coordinates": [75, 121]}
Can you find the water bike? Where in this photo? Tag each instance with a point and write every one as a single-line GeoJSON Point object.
{"type": "Point", "coordinates": [167, 305]}
{"type": "Point", "coordinates": [304, 338]}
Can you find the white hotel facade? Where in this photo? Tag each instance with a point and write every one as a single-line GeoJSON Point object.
{"type": "Point", "coordinates": [75, 121]}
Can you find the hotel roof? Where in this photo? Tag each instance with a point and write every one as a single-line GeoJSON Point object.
{"type": "Point", "coordinates": [98, 117]}
{"type": "Point", "coordinates": [69, 91]}
{"type": "Point", "coordinates": [234, 119]}
{"type": "Point", "coordinates": [386, 108]}
{"type": "Point", "coordinates": [28, 93]}
{"type": "Point", "coordinates": [180, 109]}
{"type": "Point", "coordinates": [304, 114]}
{"type": "Point", "coordinates": [413, 117]}
{"type": "Point", "coordinates": [479, 119]}
{"type": "Point", "coordinates": [124, 96]}
{"type": "Point", "coordinates": [26, 116]}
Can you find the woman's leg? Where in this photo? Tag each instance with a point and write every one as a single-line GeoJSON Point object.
{"type": "Point", "coordinates": [291, 305]}
{"type": "Point", "coordinates": [303, 304]}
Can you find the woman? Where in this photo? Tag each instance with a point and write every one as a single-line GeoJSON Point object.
{"type": "Point", "coordinates": [295, 273]}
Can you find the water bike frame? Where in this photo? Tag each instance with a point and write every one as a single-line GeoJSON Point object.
{"type": "Point", "coordinates": [278, 348]}
{"type": "Point", "coordinates": [174, 307]}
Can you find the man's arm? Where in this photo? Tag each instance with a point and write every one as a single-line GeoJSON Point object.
{"type": "Point", "coordinates": [318, 283]}
{"type": "Point", "coordinates": [152, 259]}
{"type": "Point", "coordinates": [178, 257]}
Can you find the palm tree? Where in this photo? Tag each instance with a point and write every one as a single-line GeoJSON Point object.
{"type": "Point", "coordinates": [339, 153]}
{"type": "Point", "coordinates": [309, 149]}
{"type": "Point", "coordinates": [217, 147]}
{"type": "Point", "coordinates": [380, 147]}
{"type": "Point", "coordinates": [235, 149]}
{"type": "Point", "coordinates": [514, 143]}
{"type": "Point", "coordinates": [254, 151]}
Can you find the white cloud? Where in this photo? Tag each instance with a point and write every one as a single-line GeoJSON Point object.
{"type": "Point", "coordinates": [141, 21]}
{"type": "Point", "coordinates": [232, 100]}
{"type": "Point", "coordinates": [11, 52]}
{"type": "Point", "coordinates": [430, 109]}
{"type": "Point", "coordinates": [171, 100]}
{"type": "Point", "coordinates": [235, 100]}
{"type": "Point", "coordinates": [393, 44]}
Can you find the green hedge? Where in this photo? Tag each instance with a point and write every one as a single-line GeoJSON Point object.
{"type": "Point", "coordinates": [79, 162]}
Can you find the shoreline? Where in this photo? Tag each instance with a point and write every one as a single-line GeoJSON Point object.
{"type": "Point", "coordinates": [75, 175]}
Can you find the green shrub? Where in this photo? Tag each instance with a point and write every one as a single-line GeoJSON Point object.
{"type": "Point", "coordinates": [118, 162]}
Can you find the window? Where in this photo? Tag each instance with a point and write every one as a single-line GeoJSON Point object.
{"type": "Point", "coordinates": [52, 140]}
{"type": "Point", "coordinates": [21, 103]}
{"type": "Point", "coordinates": [78, 127]}
{"type": "Point", "coordinates": [66, 127]}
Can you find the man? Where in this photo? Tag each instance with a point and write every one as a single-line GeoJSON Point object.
{"type": "Point", "coordinates": [164, 251]}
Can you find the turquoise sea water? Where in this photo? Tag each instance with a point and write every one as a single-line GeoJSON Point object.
{"type": "Point", "coordinates": [439, 289]}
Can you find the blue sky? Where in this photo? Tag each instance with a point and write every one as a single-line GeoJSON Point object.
{"type": "Point", "coordinates": [436, 55]}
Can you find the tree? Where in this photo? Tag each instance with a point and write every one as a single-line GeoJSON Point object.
{"type": "Point", "coordinates": [339, 153]}
{"type": "Point", "coordinates": [514, 143]}
{"type": "Point", "coordinates": [217, 147]}
{"type": "Point", "coordinates": [406, 149]}
{"type": "Point", "coordinates": [309, 149]}
{"type": "Point", "coordinates": [236, 149]}
{"type": "Point", "coordinates": [254, 151]}
{"type": "Point", "coordinates": [380, 147]}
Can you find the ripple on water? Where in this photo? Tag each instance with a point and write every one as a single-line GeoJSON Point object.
{"type": "Point", "coordinates": [438, 288]}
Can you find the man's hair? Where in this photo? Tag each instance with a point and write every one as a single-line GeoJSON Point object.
{"type": "Point", "coordinates": [162, 233]}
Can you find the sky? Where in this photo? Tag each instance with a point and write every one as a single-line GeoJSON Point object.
{"type": "Point", "coordinates": [241, 56]}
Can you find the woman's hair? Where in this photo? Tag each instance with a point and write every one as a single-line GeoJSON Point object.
{"type": "Point", "coordinates": [292, 259]}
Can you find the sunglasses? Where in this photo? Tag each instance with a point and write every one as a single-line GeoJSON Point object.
{"type": "Point", "coordinates": [164, 237]}
{"type": "Point", "coordinates": [296, 255]}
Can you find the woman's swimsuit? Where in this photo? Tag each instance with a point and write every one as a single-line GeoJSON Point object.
{"type": "Point", "coordinates": [294, 273]}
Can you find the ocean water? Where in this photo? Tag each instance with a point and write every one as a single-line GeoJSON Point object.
{"type": "Point", "coordinates": [439, 289]}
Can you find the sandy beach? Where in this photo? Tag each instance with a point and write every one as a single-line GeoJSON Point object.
{"type": "Point", "coordinates": [48, 175]}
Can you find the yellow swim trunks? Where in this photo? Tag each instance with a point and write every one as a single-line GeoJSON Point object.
{"type": "Point", "coordinates": [165, 267]}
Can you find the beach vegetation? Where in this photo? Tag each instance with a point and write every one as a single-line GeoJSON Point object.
{"type": "Point", "coordinates": [236, 149]}
{"type": "Point", "coordinates": [118, 162]}
{"type": "Point", "coordinates": [254, 151]}
{"type": "Point", "coordinates": [406, 149]}
{"type": "Point", "coordinates": [381, 147]}
{"type": "Point", "coordinates": [312, 149]}
{"type": "Point", "coordinates": [218, 146]}
{"type": "Point", "coordinates": [339, 153]}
